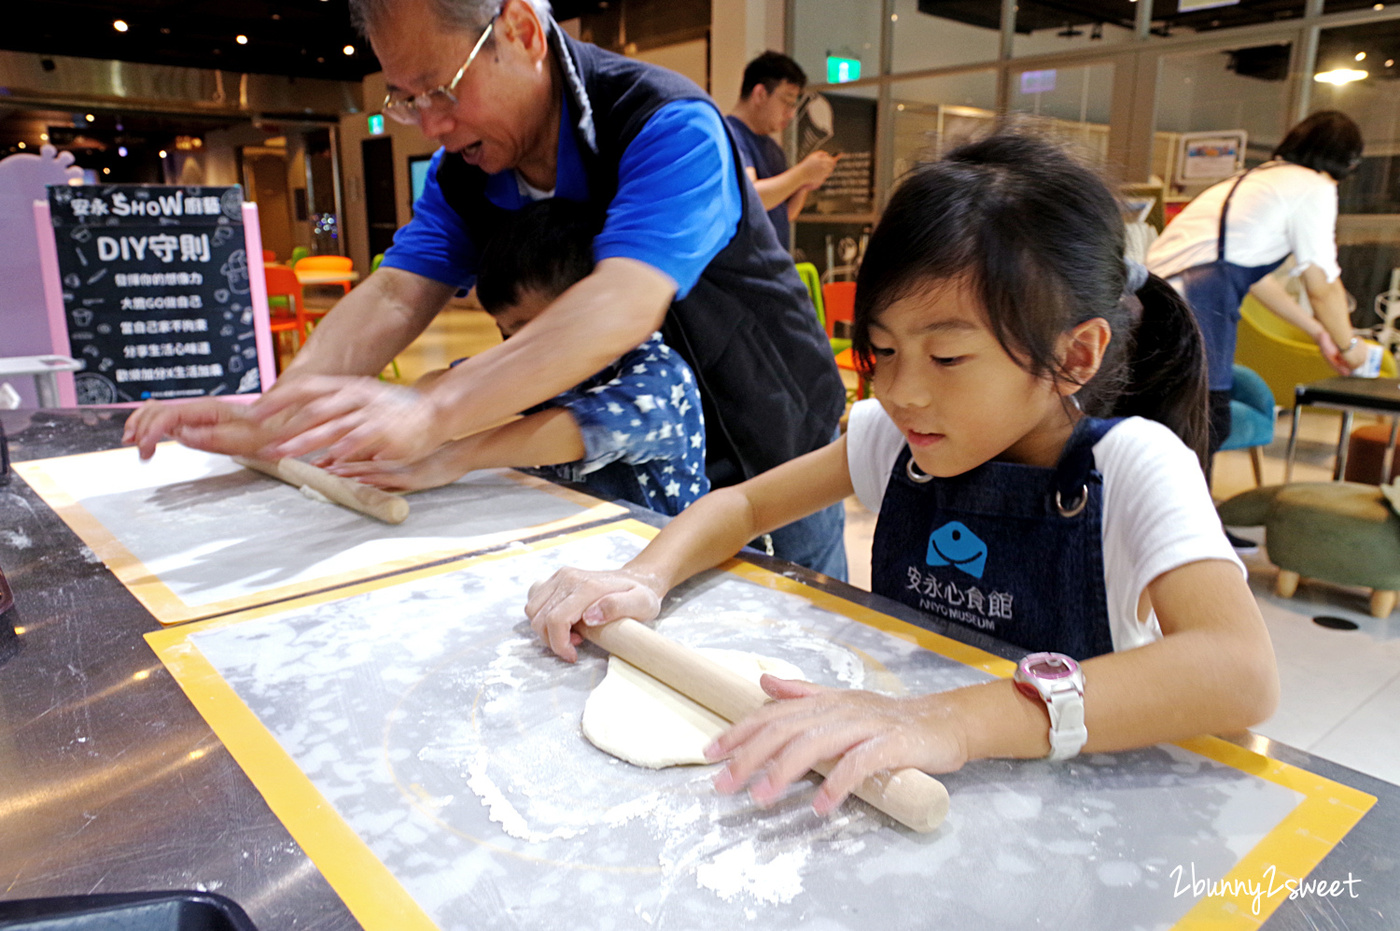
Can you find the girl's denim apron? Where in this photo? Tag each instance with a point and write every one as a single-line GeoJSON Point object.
{"type": "Point", "coordinates": [1215, 291]}
{"type": "Point", "coordinates": [1014, 551]}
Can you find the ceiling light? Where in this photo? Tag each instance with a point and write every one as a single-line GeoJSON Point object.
{"type": "Point", "coordinates": [119, 25]}
{"type": "Point", "coordinates": [1360, 56]}
{"type": "Point", "coordinates": [121, 150]}
{"type": "Point", "coordinates": [241, 40]}
{"type": "Point", "coordinates": [162, 153]}
{"type": "Point", "coordinates": [89, 117]}
{"type": "Point", "coordinates": [1340, 76]}
{"type": "Point", "coordinates": [1378, 7]}
{"type": "Point", "coordinates": [1390, 63]}
{"type": "Point", "coordinates": [106, 171]}
{"type": "Point", "coordinates": [349, 50]}
{"type": "Point", "coordinates": [21, 144]}
{"type": "Point", "coordinates": [43, 137]}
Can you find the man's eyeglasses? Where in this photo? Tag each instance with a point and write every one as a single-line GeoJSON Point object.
{"type": "Point", "coordinates": [409, 110]}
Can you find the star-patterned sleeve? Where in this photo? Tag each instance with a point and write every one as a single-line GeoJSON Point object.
{"type": "Point", "coordinates": [644, 410]}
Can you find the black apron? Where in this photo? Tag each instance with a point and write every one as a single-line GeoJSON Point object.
{"type": "Point", "coordinates": [1215, 291]}
{"type": "Point", "coordinates": [1014, 551]}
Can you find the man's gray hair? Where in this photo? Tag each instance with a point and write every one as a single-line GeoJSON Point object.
{"type": "Point", "coordinates": [463, 15]}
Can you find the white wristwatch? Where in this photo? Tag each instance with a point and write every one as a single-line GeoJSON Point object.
{"type": "Point", "coordinates": [1058, 681]}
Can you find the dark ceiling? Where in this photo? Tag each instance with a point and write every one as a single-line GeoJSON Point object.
{"type": "Point", "coordinates": [302, 38]}
{"type": "Point", "coordinates": [1034, 15]}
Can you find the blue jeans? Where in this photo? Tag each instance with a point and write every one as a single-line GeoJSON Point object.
{"type": "Point", "coordinates": [817, 541]}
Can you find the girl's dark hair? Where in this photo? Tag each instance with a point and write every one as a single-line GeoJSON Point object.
{"type": "Point", "coordinates": [1039, 238]}
{"type": "Point", "coordinates": [545, 246]}
{"type": "Point", "coordinates": [1329, 141]}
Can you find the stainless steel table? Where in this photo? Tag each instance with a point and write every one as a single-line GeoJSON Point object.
{"type": "Point", "coordinates": [110, 781]}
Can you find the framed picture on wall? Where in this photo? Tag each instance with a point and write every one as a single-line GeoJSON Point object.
{"type": "Point", "coordinates": [1209, 156]}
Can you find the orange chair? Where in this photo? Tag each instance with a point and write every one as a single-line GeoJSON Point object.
{"type": "Point", "coordinates": [328, 263]}
{"type": "Point", "coordinates": [285, 308]}
{"type": "Point", "coordinates": [845, 360]}
{"type": "Point", "coordinates": [839, 298]}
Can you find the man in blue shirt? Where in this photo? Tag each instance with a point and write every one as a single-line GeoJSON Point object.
{"type": "Point", "coordinates": [523, 112]}
{"type": "Point", "coordinates": [768, 100]}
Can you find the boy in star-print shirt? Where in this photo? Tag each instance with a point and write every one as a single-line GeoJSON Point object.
{"type": "Point", "coordinates": [633, 431]}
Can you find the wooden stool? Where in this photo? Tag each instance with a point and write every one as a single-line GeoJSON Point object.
{"type": "Point", "coordinates": [1365, 454]}
{"type": "Point", "coordinates": [1339, 532]}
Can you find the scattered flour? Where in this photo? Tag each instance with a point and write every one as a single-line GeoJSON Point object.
{"type": "Point", "coordinates": [513, 751]}
{"type": "Point", "coordinates": [314, 495]}
{"type": "Point", "coordinates": [742, 869]}
{"type": "Point", "coordinates": [16, 538]}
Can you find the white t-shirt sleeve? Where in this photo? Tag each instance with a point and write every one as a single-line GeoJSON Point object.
{"type": "Point", "coordinates": [873, 443]}
{"type": "Point", "coordinates": [1157, 516]}
{"type": "Point", "coordinates": [1312, 229]}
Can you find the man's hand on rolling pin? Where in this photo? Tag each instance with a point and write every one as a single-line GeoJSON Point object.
{"type": "Point", "coordinates": [579, 596]}
{"type": "Point", "coordinates": [350, 418]}
{"type": "Point", "coordinates": [865, 732]}
{"type": "Point", "coordinates": [210, 425]}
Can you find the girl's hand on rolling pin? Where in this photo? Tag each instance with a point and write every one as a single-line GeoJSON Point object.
{"type": "Point", "coordinates": [865, 732]}
{"type": "Point", "coordinates": [578, 596]}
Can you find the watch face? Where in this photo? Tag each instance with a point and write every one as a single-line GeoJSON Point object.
{"type": "Point", "coordinates": [1050, 666]}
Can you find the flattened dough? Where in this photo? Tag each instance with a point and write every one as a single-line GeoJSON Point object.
{"type": "Point", "coordinates": [644, 722]}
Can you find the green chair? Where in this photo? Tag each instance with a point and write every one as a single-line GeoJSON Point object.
{"type": "Point", "coordinates": [298, 253]}
{"type": "Point", "coordinates": [813, 280]}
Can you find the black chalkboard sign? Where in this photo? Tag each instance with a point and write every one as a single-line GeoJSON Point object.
{"type": "Point", "coordinates": [156, 292]}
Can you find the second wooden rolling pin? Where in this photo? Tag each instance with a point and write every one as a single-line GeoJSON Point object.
{"type": "Point", "coordinates": [910, 796]}
{"type": "Point", "coordinates": [346, 492]}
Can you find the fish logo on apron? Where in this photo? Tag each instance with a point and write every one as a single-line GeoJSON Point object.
{"type": "Point", "coordinates": [954, 545]}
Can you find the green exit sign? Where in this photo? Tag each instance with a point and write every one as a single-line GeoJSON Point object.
{"type": "Point", "coordinates": [841, 70]}
{"type": "Point", "coordinates": [376, 124]}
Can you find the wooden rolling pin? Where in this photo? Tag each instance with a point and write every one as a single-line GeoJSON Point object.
{"type": "Point", "coordinates": [346, 492]}
{"type": "Point", "coordinates": [910, 796]}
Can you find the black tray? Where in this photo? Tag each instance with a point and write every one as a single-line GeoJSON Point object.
{"type": "Point", "coordinates": [131, 911]}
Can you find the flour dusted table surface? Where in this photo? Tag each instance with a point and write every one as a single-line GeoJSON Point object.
{"type": "Point", "coordinates": [445, 750]}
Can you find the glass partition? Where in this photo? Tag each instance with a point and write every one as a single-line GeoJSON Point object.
{"type": "Point", "coordinates": [1072, 103]}
{"type": "Point", "coordinates": [944, 33]}
{"type": "Point", "coordinates": [933, 115]}
{"type": "Point", "coordinates": [829, 32]}
{"type": "Point", "coordinates": [1226, 92]}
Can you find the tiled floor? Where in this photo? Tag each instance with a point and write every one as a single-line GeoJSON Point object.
{"type": "Point", "coordinates": [1341, 688]}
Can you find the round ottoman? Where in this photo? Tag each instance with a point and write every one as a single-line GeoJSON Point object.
{"type": "Point", "coordinates": [1340, 532]}
{"type": "Point", "coordinates": [1366, 454]}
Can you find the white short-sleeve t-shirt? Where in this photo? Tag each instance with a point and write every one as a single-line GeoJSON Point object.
{"type": "Point", "coordinates": [1157, 512]}
{"type": "Point", "coordinates": [1278, 210]}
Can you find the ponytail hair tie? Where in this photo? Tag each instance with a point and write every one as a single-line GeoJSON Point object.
{"type": "Point", "coordinates": [1137, 276]}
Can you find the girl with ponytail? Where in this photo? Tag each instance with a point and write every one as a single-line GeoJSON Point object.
{"type": "Point", "coordinates": [1033, 453]}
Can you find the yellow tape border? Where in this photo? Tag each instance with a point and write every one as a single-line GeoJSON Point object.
{"type": "Point", "coordinates": [169, 608]}
{"type": "Point", "coordinates": [1293, 848]}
